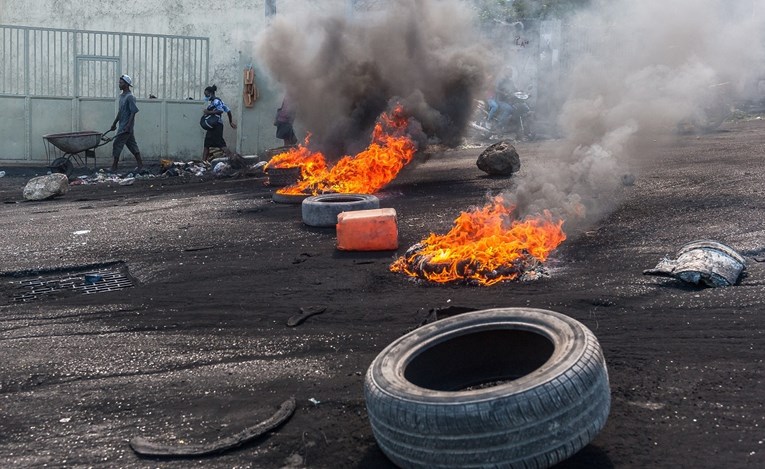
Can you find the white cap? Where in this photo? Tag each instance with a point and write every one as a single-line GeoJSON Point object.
{"type": "Point", "coordinates": [127, 79]}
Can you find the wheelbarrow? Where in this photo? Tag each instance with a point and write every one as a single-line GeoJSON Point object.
{"type": "Point", "coordinates": [73, 144]}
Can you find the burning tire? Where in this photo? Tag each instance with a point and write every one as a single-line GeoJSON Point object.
{"type": "Point", "coordinates": [288, 198]}
{"type": "Point", "coordinates": [514, 387]}
{"type": "Point", "coordinates": [322, 210]}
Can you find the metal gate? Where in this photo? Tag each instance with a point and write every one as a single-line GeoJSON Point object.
{"type": "Point", "coordinates": [62, 80]}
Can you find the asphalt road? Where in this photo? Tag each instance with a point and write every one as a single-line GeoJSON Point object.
{"type": "Point", "coordinates": [198, 348]}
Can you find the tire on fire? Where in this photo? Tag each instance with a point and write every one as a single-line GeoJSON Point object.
{"type": "Point", "coordinates": [515, 387]}
{"type": "Point", "coordinates": [322, 210]}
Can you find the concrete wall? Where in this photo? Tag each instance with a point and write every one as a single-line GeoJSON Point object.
{"type": "Point", "coordinates": [231, 25]}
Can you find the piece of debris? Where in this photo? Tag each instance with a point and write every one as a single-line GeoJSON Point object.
{"type": "Point", "coordinates": [90, 279]}
{"type": "Point", "coordinates": [500, 159]}
{"type": "Point", "coordinates": [436, 314]}
{"type": "Point", "coordinates": [304, 314]}
{"type": "Point", "coordinates": [304, 256]}
{"type": "Point", "coordinates": [149, 448]}
{"type": "Point", "coordinates": [628, 179]}
{"type": "Point", "coordinates": [702, 262]}
{"type": "Point", "coordinates": [198, 248]}
{"type": "Point", "coordinates": [46, 187]}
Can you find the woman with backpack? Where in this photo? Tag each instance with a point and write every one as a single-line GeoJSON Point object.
{"type": "Point", "coordinates": [212, 122]}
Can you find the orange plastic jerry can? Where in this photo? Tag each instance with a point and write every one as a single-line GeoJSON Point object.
{"type": "Point", "coordinates": [367, 230]}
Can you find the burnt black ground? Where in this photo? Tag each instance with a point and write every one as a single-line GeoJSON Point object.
{"type": "Point", "coordinates": [200, 347]}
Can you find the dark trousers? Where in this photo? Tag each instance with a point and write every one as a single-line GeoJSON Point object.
{"type": "Point", "coordinates": [119, 142]}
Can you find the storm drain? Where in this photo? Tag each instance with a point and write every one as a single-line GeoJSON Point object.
{"type": "Point", "coordinates": [85, 280]}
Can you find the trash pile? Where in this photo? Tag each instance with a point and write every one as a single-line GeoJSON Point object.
{"type": "Point", "coordinates": [219, 168]}
{"type": "Point", "coordinates": [102, 176]}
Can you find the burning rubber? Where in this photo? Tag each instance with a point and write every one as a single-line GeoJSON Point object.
{"type": "Point", "coordinates": [322, 210]}
{"type": "Point", "coordinates": [509, 387]}
{"type": "Point", "coordinates": [484, 247]}
{"type": "Point", "coordinates": [294, 199]}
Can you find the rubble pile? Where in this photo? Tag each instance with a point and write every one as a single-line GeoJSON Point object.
{"type": "Point", "coordinates": [218, 168]}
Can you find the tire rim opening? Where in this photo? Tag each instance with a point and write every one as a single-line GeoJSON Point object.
{"type": "Point", "coordinates": [479, 360]}
{"type": "Point", "coordinates": [340, 200]}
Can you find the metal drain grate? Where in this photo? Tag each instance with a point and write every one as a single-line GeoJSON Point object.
{"type": "Point", "coordinates": [84, 283]}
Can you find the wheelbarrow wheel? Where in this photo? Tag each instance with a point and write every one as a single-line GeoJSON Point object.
{"type": "Point", "coordinates": [62, 165]}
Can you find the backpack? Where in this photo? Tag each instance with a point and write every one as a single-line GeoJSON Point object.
{"type": "Point", "coordinates": [209, 121]}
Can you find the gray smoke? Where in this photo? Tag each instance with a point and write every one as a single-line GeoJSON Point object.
{"type": "Point", "coordinates": [641, 69]}
{"type": "Point", "coordinates": [344, 69]}
{"type": "Point", "coordinates": [631, 72]}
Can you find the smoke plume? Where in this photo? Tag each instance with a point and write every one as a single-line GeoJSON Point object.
{"type": "Point", "coordinates": [344, 69]}
{"type": "Point", "coordinates": [638, 71]}
{"type": "Point", "coordinates": [627, 71]}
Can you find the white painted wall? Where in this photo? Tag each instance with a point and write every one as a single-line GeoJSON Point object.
{"type": "Point", "coordinates": [231, 25]}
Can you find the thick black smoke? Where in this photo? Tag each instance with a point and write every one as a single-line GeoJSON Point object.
{"type": "Point", "coordinates": [344, 69]}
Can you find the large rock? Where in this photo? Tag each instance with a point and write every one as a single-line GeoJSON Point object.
{"type": "Point", "coordinates": [45, 187]}
{"type": "Point", "coordinates": [500, 159]}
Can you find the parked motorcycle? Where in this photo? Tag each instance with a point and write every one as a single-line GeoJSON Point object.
{"type": "Point", "coordinates": [519, 125]}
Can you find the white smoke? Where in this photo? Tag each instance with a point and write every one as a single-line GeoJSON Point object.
{"type": "Point", "coordinates": [643, 68]}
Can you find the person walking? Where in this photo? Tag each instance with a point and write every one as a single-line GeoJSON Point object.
{"type": "Point", "coordinates": [214, 136]}
{"type": "Point", "coordinates": [126, 120]}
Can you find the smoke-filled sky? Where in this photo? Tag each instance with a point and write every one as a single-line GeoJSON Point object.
{"type": "Point", "coordinates": [632, 70]}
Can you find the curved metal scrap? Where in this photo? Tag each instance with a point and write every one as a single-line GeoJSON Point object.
{"type": "Point", "coordinates": [703, 262]}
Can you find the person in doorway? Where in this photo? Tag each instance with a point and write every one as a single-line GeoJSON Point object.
{"type": "Point", "coordinates": [126, 121]}
{"type": "Point", "coordinates": [285, 117]}
{"type": "Point", "coordinates": [214, 136]}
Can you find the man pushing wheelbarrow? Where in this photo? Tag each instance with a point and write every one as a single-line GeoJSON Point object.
{"type": "Point", "coordinates": [126, 120]}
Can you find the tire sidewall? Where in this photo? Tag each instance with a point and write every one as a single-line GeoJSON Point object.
{"type": "Point", "coordinates": [322, 210]}
{"type": "Point", "coordinates": [568, 336]}
{"type": "Point", "coordinates": [535, 420]}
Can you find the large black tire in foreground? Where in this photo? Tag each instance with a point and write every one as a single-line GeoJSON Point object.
{"type": "Point", "coordinates": [322, 210]}
{"type": "Point", "coordinates": [505, 387]}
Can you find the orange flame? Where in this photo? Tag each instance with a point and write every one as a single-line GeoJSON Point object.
{"type": "Point", "coordinates": [366, 173]}
{"type": "Point", "coordinates": [484, 246]}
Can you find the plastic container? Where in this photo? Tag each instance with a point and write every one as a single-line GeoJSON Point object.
{"type": "Point", "coordinates": [367, 230]}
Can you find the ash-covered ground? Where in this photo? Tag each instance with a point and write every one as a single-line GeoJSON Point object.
{"type": "Point", "coordinates": [198, 348]}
